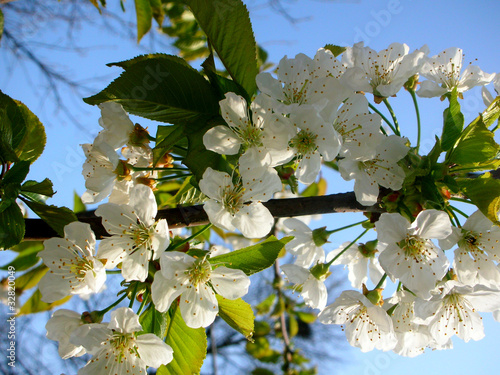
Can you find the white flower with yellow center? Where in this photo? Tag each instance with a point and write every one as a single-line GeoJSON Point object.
{"type": "Point", "coordinates": [407, 252]}
{"type": "Point", "coordinates": [136, 238]}
{"type": "Point", "coordinates": [380, 170]}
{"type": "Point", "coordinates": [262, 137]}
{"type": "Point", "coordinates": [311, 288]}
{"type": "Point", "coordinates": [315, 139]}
{"type": "Point", "coordinates": [196, 282]}
{"type": "Point", "coordinates": [443, 74]}
{"type": "Point", "coordinates": [238, 206]}
{"type": "Point", "coordinates": [73, 267]}
{"type": "Point", "coordinates": [367, 326]}
{"type": "Point", "coordinates": [118, 349]}
{"type": "Point", "coordinates": [303, 246]}
{"type": "Point", "coordinates": [454, 311]}
{"type": "Point", "coordinates": [478, 249]}
{"type": "Point", "coordinates": [382, 73]}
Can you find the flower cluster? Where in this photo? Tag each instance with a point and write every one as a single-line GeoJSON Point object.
{"type": "Point", "coordinates": [312, 111]}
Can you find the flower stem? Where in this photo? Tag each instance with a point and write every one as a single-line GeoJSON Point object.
{"type": "Point", "coordinates": [373, 108]}
{"type": "Point", "coordinates": [460, 200]}
{"type": "Point", "coordinates": [393, 115]}
{"type": "Point", "coordinates": [159, 169]}
{"type": "Point", "coordinates": [348, 246]}
{"type": "Point", "coordinates": [104, 311]}
{"type": "Point", "coordinates": [379, 285]}
{"type": "Point", "coordinates": [132, 300]}
{"type": "Point", "coordinates": [179, 244]}
{"type": "Point", "coordinates": [328, 232]}
{"type": "Point", "coordinates": [145, 296]}
{"type": "Point", "coordinates": [459, 211]}
{"type": "Point", "coordinates": [173, 177]}
{"type": "Point", "coordinates": [419, 129]}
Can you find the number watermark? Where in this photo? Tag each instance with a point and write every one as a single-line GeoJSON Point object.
{"type": "Point", "coordinates": [11, 320]}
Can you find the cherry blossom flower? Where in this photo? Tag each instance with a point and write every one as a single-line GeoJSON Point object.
{"type": "Point", "coordinates": [136, 238]}
{"type": "Point", "coordinates": [478, 247]}
{"type": "Point", "coordinates": [312, 289]}
{"type": "Point", "coordinates": [381, 170]}
{"type": "Point", "coordinates": [73, 267]}
{"type": "Point", "coordinates": [367, 326]}
{"type": "Point", "coordinates": [453, 311]}
{"type": "Point", "coordinates": [303, 246]}
{"type": "Point", "coordinates": [118, 349]}
{"type": "Point", "coordinates": [407, 252]}
{"type": "Point", "coordinates": [487, 96]}
{"type": "Point", "coordinates": [238, 206]}
{"type": "Point", "coordinates": [359, 260]}
{"type": "Point", "coordinates": [196, 282]}
{"type": "Point", "coordinates": [255, 135]}
{"type": "Point", "coordinates": [382, 73]}
{"type": "Point", "coordinates": [412, 338]}
{"type": "Point", "coordinates": [60, 327]}
{"type": "Point", "coordinates": [314, 140]}
{"type": "Point", "coordinates": [443, 74]}
{"type": "Point", "coordinates": [359, 129]}
{"type": "Point", "coordinates": [300, 85]}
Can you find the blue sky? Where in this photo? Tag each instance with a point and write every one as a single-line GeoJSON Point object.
{"type": "Point", "coordinates": [472, 26]}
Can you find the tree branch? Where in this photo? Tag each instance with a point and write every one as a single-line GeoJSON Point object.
{"type": "Point", "coordinates": [191, 216]}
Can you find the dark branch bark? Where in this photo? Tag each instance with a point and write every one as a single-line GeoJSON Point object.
{"type": "Point", "coordinates": [180, 217]}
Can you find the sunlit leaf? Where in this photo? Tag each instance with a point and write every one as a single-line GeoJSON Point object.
{"type": "Point", "coordinates": [238, 314]}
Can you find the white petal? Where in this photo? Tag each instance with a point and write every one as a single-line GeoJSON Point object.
{"type": "Point", "coordinates": [254, 220]}
{"type": "Point", "coordinates": [143, 202]}
{"type": "Point", "coordinates": [125, 320]}
{"type": "Point", "coordinates": [153, 351]}
{"type": "Point", "coordinates": [222, 140]}
{"type": "Point", "coordinates": [164, 292]}
{"type": "Point", "coordinates": [199, 306]}
{"type": "Point", "coordinates": [230, 283]}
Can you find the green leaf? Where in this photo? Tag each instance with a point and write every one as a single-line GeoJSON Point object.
{"type": "Point", "coordinates": [17, 173]}
{"type": "Point", "coordinates": [56, 217]}
{"type": "Point", "coordinates": [144, 15]}
{"type": "Point", "coordinates": [453, 123]}
{"type": "Point", "coordinates": [153, 321]}
{"type": "Point", "coordinates": [38, 191]}
{"type": "Point", "coordinates": [227, 26]}
{"type": "Point", "coordinates": [306, 317]}
{"type": "Point", "coordinates": [161, 89]}
{"type": "Point", "coordinates": [22, 135]}
{"type": "Point", "coordinates": [265, 306]}
{"type": "Point", "coordinates": [189, 346]}
{"type": "Point", "coordinates": [35, 304]}
{"type": "Point", "coordinates": [238, 314]}
{"type": "Point", "coordinates": [483, 191]}
{"type": "Point", "coordinates": [166, 138]}
{"type": "Point", "coordinates": [78, 205]}
{"type": "Point", "coordinates": [157, 8]}
{"type": "Point", "coordinates": [31, 278]}
{"type": "Point", "coordinates": [315, 189]}
{"type": "Point", "coordinates": [26, 257]}
{"type": "Point", "coordinates": [261, 371]}
{"type": "Point", "coordinates": [336, 50]}
{"type": "Point", "coordinates": [33, 142]}
{"type": "Point", "coordinates": [492, 113]}
{"type": "Point", "coordinates": [254, 258]}
{"type": "Point", "coordinates": [11, 226]}
{"type": "Point", "coordinates": [475, 145]}
{"type": "Point", "coordinates": [150, 56]}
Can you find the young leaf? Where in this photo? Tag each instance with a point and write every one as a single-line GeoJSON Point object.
{"type": "Point", "coordinates": [144, 15]}
{"type": "Point", "coordinates": [33, 142]}
{"type": "Point", "coordinates": [336, 50]}
{"type": "Point", "coordinates": [56, 217]}
{"type": "Point", "coordinates": [254, 258]}
{"type": "Point", "coordinates": [31, 278]}
{"type": "Point", "coordinates": [153, 321]}
{"type": "Point", "coordinates": [475, 145]}
{"type": "Point", "coordinates": [166, 138]}
{"type": "Point", "coordinates": [11, 226]}
{"type": "Point", "coordinates": [35, 304]}
{"type": "Point", "coordinates": [27, 257]}
{"type": "Point", "coordinates": [227, 26]}
{"type": "Point", "coordinates": [453, 123]}
{"type": "Point", "coordinates": [238, 314]}
{"type": "Point", "coordinates": [161, 89]}
{"type": "Point", "coordinates": [78, 205]}
{"type": "Point", "coordinates": [483, 191]}
{"type": "Point", "coordinates": [17, 173]}
{"type": "Point", "coordinates": [189, 346]}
